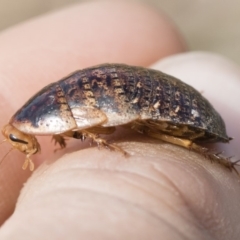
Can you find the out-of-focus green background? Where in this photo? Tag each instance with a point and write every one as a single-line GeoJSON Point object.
{"type": "Point", "coordinates": [211, 25]}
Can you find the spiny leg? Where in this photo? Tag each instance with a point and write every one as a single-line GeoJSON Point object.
{"type": "Point", "coordinates": [102, 142]}
{"type": "Point", "coordinates": [197, 148]}
{"type": "Point", "coordinates": [60, 140]}
{"type": "Point", "coordinates": [92, 133]}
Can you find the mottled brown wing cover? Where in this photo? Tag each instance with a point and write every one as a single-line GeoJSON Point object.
{"type": "Point", "coordinates": [117, 94]}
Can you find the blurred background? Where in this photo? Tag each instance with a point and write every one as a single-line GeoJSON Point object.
{"type": "Point", "coordinates": [210, 25]}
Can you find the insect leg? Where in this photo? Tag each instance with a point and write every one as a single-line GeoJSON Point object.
{"type": "Point", "coordinates": [59, 139]}
{"type": "Point", "coordinates": [197, 148]}
{"type": "Point", "coordinates": [177, 141]}
{"type": "Point", "coordinates": [101, 142]}
{"type": "Point", "coordinates": [92, 133]}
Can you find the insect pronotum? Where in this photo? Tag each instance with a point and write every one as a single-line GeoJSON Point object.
{"type": "Point", "coordinates": [97, 99]}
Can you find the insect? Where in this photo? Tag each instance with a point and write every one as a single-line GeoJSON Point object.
{"type": "Point", "coordinates": [95, 100]}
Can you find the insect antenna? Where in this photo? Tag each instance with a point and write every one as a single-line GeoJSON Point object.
{"type": "Point", "coordinates": [6, 155]}
{"type": "Point", "coordinates": [4, 140]}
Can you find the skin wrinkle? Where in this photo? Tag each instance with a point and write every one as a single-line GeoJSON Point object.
{"type": "Point", "coordinates": [188, 204]}
{"type": "Point", "coordinates": [119, 199]}
{"type": "Point", "coordinates": [183, 200]}
{"type": "Point", "coordinates": [211, 218]}
{"type": "Point", "coordinates": [207, 216]}
{"type": "Point", "coordinates": [69, 190]}
{"type": "Point", "coordinates": [111, 171]}
{"type": "Point", "coordinates": [195, 213]}
{"type": "Point", "coordinates": [206, 225]}
{"type": "Point", "coordinates": [124, 173]}
{"type": "Point", "coordinates": [197, 223]}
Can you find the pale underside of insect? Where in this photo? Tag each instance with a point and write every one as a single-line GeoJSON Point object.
{"type": "Point", "coordinates": [95, 100]}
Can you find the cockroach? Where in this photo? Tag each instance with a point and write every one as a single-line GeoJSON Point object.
{"type": "Point", "coordinates": [97, 99]}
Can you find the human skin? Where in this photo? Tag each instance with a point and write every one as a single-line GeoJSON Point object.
{"type": "Point", "coordinates": [161, 191]}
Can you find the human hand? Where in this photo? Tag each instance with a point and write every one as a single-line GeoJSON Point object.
{"type": "Point", "coordinates": [161, 191]}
